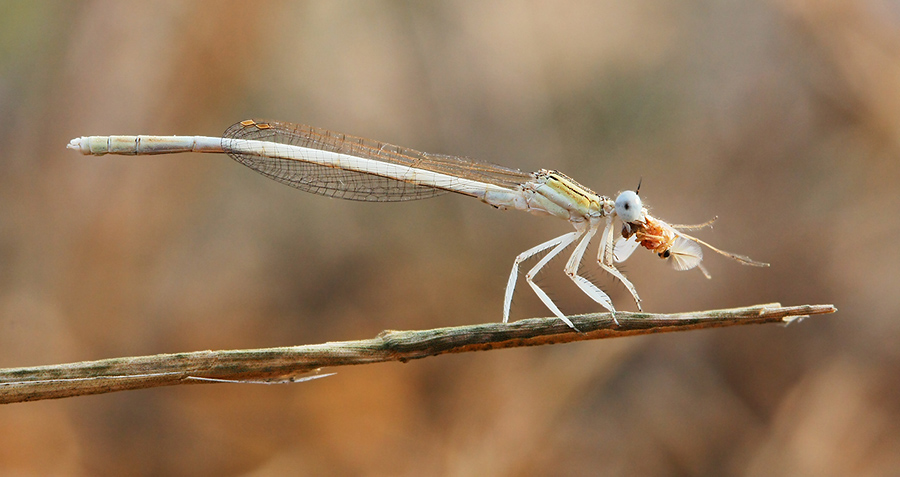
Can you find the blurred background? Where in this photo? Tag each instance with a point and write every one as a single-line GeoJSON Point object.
{"type": "Point", "coordinates": [782, 118]}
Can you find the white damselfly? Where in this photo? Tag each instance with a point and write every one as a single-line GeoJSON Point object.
{"type": "Point", "coordinates": [338, 165]}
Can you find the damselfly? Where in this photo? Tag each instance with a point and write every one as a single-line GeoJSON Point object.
{"type": "Point", "coordinates": [338, 165]}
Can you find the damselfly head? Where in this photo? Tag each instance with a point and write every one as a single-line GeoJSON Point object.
{"type": "Point", "coordinates": [628, 206]}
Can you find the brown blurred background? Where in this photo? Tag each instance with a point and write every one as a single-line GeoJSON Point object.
{"type": "Point", "coordinates": [780, 117]}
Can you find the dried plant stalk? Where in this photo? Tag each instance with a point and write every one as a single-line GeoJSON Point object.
{"type": "Point", "coordinates": [299, 363]}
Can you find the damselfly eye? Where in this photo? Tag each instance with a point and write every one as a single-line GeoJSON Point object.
{"type": "Point", "coordinates": [628, 206]}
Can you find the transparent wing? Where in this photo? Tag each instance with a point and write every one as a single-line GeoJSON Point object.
{"type": "Point", "coordinates": [685, 254]}
{"type": "Point", "coordinates": [623, 248]}
{"type": "Point", "coordinates": [355, 185]}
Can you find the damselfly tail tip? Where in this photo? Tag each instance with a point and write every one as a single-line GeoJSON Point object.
{"type": "Point", "coordinates": [80, 144]}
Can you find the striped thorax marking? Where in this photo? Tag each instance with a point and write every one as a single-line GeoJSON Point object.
{"type": "Point", "coordinates": [561, 196]}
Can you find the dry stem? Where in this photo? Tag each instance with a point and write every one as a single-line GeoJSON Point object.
{"type": "Point", "coordinates": [295, 363]}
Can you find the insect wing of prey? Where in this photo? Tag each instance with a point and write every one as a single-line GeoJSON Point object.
{"type": "Point", "coordinates": [338, 165]}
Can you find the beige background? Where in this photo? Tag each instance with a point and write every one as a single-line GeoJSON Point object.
{"type": "Point", "coordinates": [780, 117]}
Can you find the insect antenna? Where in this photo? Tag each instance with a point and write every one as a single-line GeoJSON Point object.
{"type": "Point", "coordinates": [708, 223]}
{"type": "Point", "coordinates": [740, 258]}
